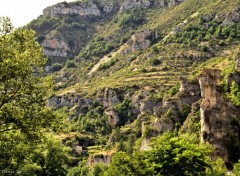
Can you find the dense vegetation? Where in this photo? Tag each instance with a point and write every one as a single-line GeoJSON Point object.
{"type": "Point", "coordinates": [113, 120]}
{"type": "Point", "coordinates": [24, 119]}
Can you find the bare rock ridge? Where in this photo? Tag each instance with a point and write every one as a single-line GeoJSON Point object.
{"type": "Point", "coordinates": [97, 8]}
{"type": "Point", "coordinates": [220, 119]}
{"type": "Point", "coordinates": [80, 8]}
{"type": "Point", "coordinates": [130, 4]}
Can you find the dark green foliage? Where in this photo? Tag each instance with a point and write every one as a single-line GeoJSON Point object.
{"type": "Point", "coordinates": [124, 110]}
{"type": "Point", "coordinates": [92, 121]}
{"type": "Point", "coordinates": [56, 67]}
{"type": "Point", "coordinates": [193, 34]}
{"type": "Point", "coordinates": [80, 170]}
{"type": "Point", "coordinates": [131, 18]}
{"type": "Point", "coordinates": [178, 156]}
{"type": "Point", "coordinates": [40, 38]}
{"type": "Point", "coordinates": [173, 90]}
{"type": "Point", "coordinates": [70, 64]}
{"type": "Point", "coordinates": [169, 155]}
{"type": "Point", "coordinates": [236, 170]}
{"type": "Point", "coordinates": [154, 61]}
{"type": "Point", "coordinates": [234, 94]}
{"type": "Point", "coordinates": [107, 64]}
{"type": "Point", "coordinates": [186, 109]}
{"type": "Point", "coordinates": [97, 47]}
{"type": "Point", "coordinates": [24, 116]}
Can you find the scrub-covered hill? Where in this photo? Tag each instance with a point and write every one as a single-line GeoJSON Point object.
{"type": "Point", "coordinates": [126, 71]}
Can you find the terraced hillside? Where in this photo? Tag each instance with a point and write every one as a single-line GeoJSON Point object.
{"type": "Point", "coordinates": [127, 71]}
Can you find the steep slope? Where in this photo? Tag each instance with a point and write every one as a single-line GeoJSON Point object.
{"type": "Point", "coordinates": [130, 70]}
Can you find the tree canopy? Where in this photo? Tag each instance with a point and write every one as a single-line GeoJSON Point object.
{"type": "Point", "coordinates": [23, 95]}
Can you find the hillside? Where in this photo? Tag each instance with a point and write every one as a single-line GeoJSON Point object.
{"type": "Point", "coordinates": [126, 71]}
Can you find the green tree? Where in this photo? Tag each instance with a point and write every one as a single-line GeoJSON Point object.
{"type": "Point", "coordinates": [236, 169]}
{"type": "Point", "coordinates": [169, 155]}
{"type": "Point", "coordinates": [218, 168]}
{"type": "Point", "coordinates": [23, 96]}
{"type": "Point", "coordinates": [234, 94]}
{"type": "Point", "coordinates": [126, 165]}
{"type": "Point", "coordinates": [181, 155]}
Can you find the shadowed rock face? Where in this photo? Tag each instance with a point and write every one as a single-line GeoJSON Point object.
{"type": "Point", "coordinates": [220, 120]}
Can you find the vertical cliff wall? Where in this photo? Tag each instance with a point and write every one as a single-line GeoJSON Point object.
{"type": "Point", "coordinates": [220, 119]}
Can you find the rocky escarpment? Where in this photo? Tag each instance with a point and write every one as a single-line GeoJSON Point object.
{"type": "Point", "coordinates": [55, 47]}
{"type": "Point", "coordinates": [139, 41]}
{"type": "Point", "coordinates": [131, 4]}
{"type": "Point", "coordinates": [78, 8]}
{"type": "Point", "coordinates": [220, 119]}
{"type": "Point", "coordinates": [106, 159]}
{"type": "Point", "coordinates": [173, 112]}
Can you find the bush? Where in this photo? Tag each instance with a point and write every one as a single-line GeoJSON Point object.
{"type": "Point", "coordinates": [234, 95]}
{"type": "Point", "coordinates": [107, 64]}
{"type": "Point", "coordinates": [56, 67]}
{"type": "Point", "coordinates": [70, 64]}
{"type": "Point", "coordinates": [131, 18]}
{"type": "Point", "coordinates": [154, 62]}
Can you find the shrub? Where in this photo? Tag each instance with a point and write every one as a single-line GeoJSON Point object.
{"type": "Point", "coordinates": [154, 62]}
{"type": "Point", "coordinates": [70, 64]}
{"type": "Point", "coordinates": [56, 67]}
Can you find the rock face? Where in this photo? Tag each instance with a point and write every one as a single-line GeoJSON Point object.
{"type": "Point", "coordinates": [237, 58]}
{"type": "Point", "coordinates": [63, 101]}
{"type": "Point", "coordinates": [106, 159]}
{"type": "Point", "coordinates": [131, 4]}
{"type": "Point", "coordinates": [139, 41]}
{"type": "Point", "coordinates": [55, 47]}
{"type": "Point", "coordinates": [80, 8]}
{"type": "Point", "coordinates": [109, 100]}
{"type": "Point", "coordinates": [220, 120]}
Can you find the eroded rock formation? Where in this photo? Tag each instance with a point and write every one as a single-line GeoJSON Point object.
{"type": "Point", "coordinates": [80, 8]}
{"type": "Point", "coordinates": [55, 47]}
{"type": "Point", "coordinates": [131, 4]}
{"type": "Point", "coordinates": [220, 119]}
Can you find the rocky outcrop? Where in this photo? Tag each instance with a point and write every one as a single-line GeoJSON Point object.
{"type": "Point", "coordinates": [139, 41]}
{"type": "Point", "coordinates": [131, 4]}
{"type": "Point", "coordinates": [79, 8]}
{"type": "Point", "coordinates": [237, 58]}
{"type": "Point", "coordinates": [55, 47]}
{"type": "Point", "coordinates": [109, 100]}
{"type": "Point", "coordinates": [173, 112]}
{"type": "Point", "coordinates": [169, 3]}
{"type": "Point", "coordinates": [82, 8]}
{"type": "Point", "coordinates": [231, 18]}
{"type": "Point", "coordinates": [220, 119]}
{"type": "Point", "coordinates": [106, 159]}
{"type": "Point", "coordinates": [63, 101]}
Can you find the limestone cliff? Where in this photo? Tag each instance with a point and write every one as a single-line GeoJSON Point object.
{"type": "Point", "coordinates": [220, 119]}
{"type": "Point", "coordinates": [54, 47]}
{"type": "Point", "coordinates": [138, 41]}
{"type": "Point", "coordinates": [80, 8]}
{"type": "Point", "coordinates": [130, 4]}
